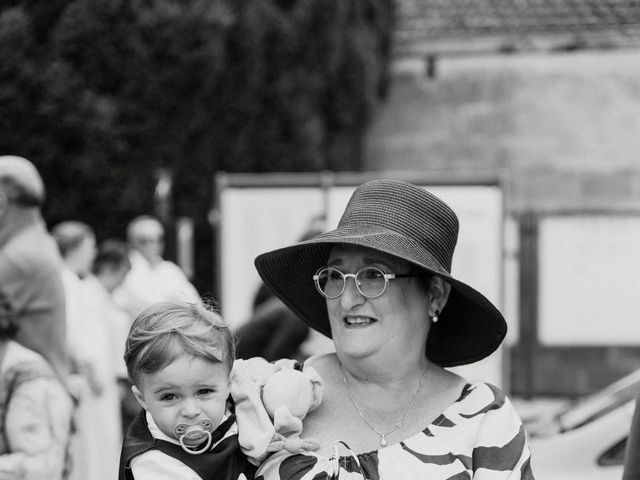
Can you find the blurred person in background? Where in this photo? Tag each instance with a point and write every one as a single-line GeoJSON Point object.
{"type": "Point", "coordinates": [151, 278]}
{"type": "Point", "coordinates": [30, 264]}
{"type": "Point", "coordinates": [96, 447]}
{"type": "Point", "coordinates": [110, 267]}
{"type": "Point", "coordinates": [35, 410]}
{"type": "Point", "coordinates": [274, 331]}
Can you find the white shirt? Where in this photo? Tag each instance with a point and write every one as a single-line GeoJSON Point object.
{"type": "Point", "coordinates": [98, 419]}
{"type": "Point", "coordinates": [115, 319]}
{"type": "Point", "coordinates": [146, 284]}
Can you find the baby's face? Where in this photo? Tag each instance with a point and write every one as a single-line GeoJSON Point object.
{"type": "Point", "coordinates": [186, 391]}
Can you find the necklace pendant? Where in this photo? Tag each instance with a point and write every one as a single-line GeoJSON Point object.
{"type": "Point", "coordinates": [383, 440]}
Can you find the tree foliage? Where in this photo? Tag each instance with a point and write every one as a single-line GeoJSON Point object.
{"type": "Point", "coordinates": [101, 93]}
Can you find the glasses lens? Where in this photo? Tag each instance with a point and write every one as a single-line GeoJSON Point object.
{"type": "Point", "coordinates": [330, 281]}
{"type": "Point", "coordinates": [371, 281]}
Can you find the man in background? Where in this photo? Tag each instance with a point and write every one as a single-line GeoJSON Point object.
{"type": "Point", "coordinates": [151, 278]}
{"type": "Point", "coordinates": [30, 264]}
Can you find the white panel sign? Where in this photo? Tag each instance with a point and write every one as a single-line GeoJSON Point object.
{"type": "Point", "coordinates": [478, 258]}
{"type": "Point", "coordinates": [589, 280]}
{"type": "Point", "coordinates": [253, 221]}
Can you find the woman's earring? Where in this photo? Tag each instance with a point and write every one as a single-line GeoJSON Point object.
{"type": "Point", "coordinates": [434, 319]}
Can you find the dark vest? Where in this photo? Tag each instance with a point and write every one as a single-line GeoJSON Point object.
{"type": "Point", "coordinates": [224, 462]}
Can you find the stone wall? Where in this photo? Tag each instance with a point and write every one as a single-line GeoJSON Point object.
{"type": "Point", "coordinates": [565, 126]}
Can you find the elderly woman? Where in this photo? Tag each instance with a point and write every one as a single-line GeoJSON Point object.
{"type": "Point", "coordinates": [35, 409]}
{"type": "Point", "coordinates": [380, 286]}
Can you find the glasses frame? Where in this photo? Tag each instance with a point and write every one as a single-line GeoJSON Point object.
{"type": "Point", "coordinates": [385, 275]}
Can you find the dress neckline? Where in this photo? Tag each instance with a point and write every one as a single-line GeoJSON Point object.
{"type": "Point", "coordinates": [466, 389]}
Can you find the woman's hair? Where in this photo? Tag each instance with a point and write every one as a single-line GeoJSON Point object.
{"type": "Point", "coordinates": [425, 279]}
{"type": "Point", "coordinates": [166, 330]}
{"type": "Point", "coordinates": [70, 235]}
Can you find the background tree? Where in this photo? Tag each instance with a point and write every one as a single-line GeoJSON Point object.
{"type": "Point", "coordinates": [100, 94]}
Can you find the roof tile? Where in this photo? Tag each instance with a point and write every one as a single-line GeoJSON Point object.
{"type": "Point", "coordinates": [430, 25]}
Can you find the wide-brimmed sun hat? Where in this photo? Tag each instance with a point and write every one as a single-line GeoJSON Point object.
{"type": "Point", "coordinates": [407, 222]}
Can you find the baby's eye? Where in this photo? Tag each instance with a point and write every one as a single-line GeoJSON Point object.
{"type": "Point", "coordinates": [206, 391]}
{"type": "Point", "coordinates": [167, 397]}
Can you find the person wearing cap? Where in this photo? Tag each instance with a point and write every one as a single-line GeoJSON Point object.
{"type": "Point", "coordinates": [380, 286]}
{"type": "Point", "coordinates": [30, 264]}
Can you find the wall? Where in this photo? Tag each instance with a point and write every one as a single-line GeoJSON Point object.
{"type": "Point", "coordinates": [564, 130]}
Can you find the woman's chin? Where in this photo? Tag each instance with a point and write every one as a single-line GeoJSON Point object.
{"type": "Point", "coordinates": [357, 346]}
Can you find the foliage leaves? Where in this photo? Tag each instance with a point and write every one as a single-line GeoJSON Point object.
{"type": "Point", "coordinates": [101, 93]}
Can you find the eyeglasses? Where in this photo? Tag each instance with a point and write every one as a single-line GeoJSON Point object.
{"type": "Point", "coordinates": [371, 282]}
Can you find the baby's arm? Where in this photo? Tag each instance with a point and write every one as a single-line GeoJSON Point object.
{"type": "Point", "coordinates": [38, 425]}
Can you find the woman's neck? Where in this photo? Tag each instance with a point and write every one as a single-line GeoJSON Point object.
{"type": "Point", "coordinates": [392, 373]}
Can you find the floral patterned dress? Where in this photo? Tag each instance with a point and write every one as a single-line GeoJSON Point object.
{"type": "Point", "coordinates": [478, 437]}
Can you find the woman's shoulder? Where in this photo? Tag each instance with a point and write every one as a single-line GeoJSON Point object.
{"type": "Point", "coordinates": [483, 392]}
{"type": "Point", "coordinates": [324, 363]}
{"type": "Point", "coordinates": [17, 354]}
{"type": "Point", "coordinates": [484, 402]}
{"type": "Point", "coordinates": [24, 368]}
{"type": "Point", "coordinates": [321, 359]}
{"type": "Point", "coordinates": [327, 366]}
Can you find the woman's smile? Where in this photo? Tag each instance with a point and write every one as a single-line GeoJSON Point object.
{"type": "Point", "coordinates": [358, 321]}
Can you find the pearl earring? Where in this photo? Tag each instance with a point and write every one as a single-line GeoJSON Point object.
{"type": "Point", "coordinates": [434, 319]}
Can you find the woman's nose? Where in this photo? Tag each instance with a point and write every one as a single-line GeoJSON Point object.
{"type": "Point", "coordinates": [351, 295]}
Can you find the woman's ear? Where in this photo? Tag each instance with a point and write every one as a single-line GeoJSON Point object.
{"type": "Point", "coordinates": [139, 396]}
{"type": "Point", "coordinates": [439, 295]}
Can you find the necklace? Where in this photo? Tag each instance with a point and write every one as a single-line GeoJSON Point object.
{"type": "Point", "coordinates": [383, 435]}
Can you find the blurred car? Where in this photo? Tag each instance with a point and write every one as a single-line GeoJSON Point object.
{"type": "Point", "coordinates": [585, 439]}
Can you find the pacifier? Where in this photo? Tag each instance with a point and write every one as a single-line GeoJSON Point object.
{"type": "Point", "coordinates": [191, 436]}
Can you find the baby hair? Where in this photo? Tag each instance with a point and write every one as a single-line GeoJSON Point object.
{"type": "Point", "coordinates": [166, 330]}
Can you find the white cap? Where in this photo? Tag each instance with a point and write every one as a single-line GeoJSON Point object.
{"type": "Point", "coordinates": [24, 174]}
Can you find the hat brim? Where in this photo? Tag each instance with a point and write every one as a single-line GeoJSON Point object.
{"type": "Point", "coordinates": [470, 326]}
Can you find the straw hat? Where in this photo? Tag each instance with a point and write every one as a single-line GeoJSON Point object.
{"type": "Point", "coordinates": [407, 222]}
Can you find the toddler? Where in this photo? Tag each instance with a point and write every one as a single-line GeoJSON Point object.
{"type": "Point", "coordinates": [178, 357]}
